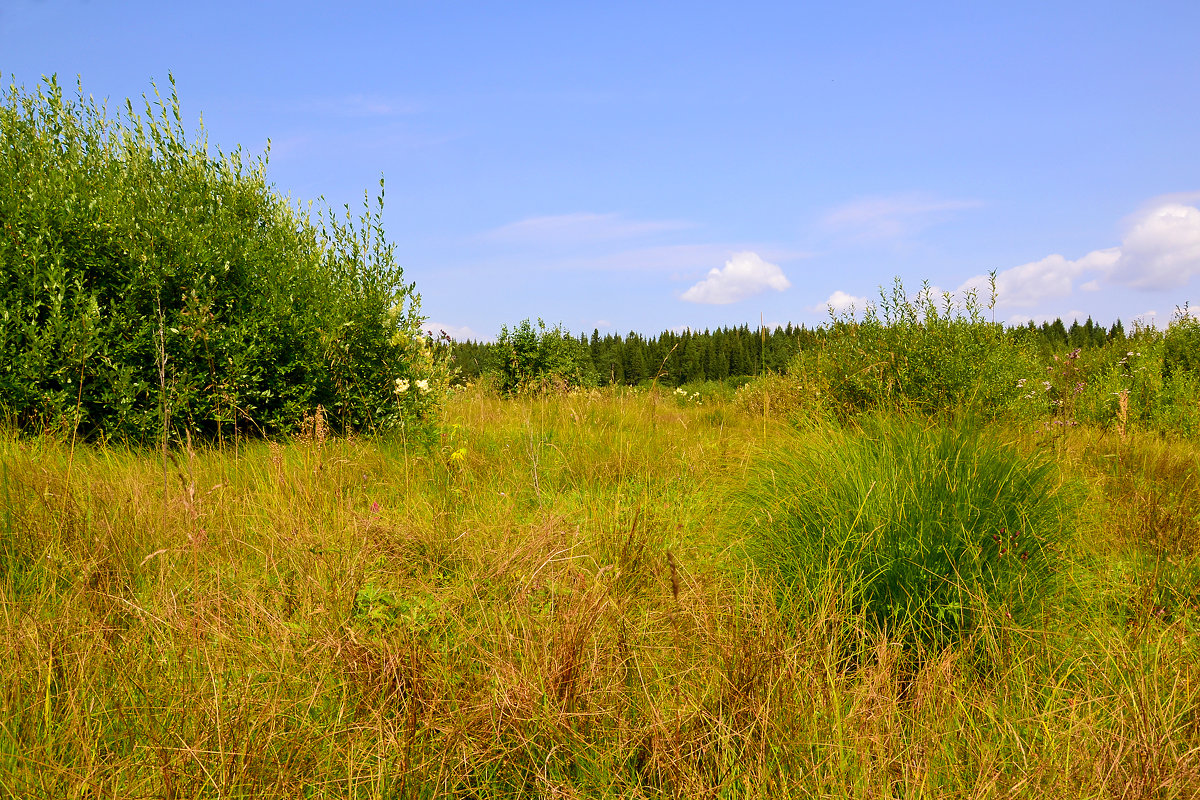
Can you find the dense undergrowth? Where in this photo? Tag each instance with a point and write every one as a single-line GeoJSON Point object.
{"type": "Point", "coordinates": [555, 600]}
{"type": "Point", "coordinates": [152, 287]}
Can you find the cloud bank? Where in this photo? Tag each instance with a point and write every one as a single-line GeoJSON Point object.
{"type": "Point", "coordinates": [744, 275]}
{"type": "Point", "coordinates": [1160, 250]}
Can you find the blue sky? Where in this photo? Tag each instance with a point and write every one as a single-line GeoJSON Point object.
{"type": "Point", "coordinates": [644, 166]}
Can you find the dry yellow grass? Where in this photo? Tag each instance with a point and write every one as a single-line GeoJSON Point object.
{"type": "Point", "coordinates": [550, 601]}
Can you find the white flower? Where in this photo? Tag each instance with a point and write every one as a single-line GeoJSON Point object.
{"type": "Point", "coordinates": [1021, 383]}
{"type": "Point", "coordinates": [401, 386]}
{"type": "Point", "coordinates": [423, 386]}
{"type": "Point", "coordinates": [1046, 385]}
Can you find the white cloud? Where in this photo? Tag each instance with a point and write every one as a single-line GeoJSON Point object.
{"type": "Point", "coordinates": [1050, 278]}
{"type": "Point", "coordinates": [578, 228]}
{"type": "Point", "coordinates": [1161, 249]}
{"type": "Point", "coordinates": [891, 217]}
{"type": "Point", "coordinates": [744, 275]}
{"type": "Point", "coordinates": [840, 301]}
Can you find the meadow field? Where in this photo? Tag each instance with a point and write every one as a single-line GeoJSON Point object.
{"type": "Point", "coordinates": [573, 595]}
{"type": "Point", "coordinates": [263, 536]}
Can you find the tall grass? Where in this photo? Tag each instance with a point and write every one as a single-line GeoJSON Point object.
{"type": "Point", "coordinates": [548, 601]}
{"type": "Point", "coordinates": [925, 529]}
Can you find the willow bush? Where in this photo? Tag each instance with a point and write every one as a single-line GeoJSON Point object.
{"type": "Point", "coordinates": [918, 353]}
{"type": "Point", "coordinates": [149, 283]}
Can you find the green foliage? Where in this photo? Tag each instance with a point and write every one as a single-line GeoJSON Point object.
{"type": "Point", "coordinates": [670, 359]}
{"type": "Point", "coordinates": [541, 359]}
{"type": "Point", "coordinates": [147, 283]}
{"type": "Point", "coordinates": [913, 353]}
{"type": "Point", "coordinates": [1181, 346]}
{"type": "Point", "coordinates": [1141, 381]}
{"type": "Point", "coordinates": [926, 530]}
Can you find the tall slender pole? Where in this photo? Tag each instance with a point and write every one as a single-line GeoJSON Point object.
{"type": "Point", "coordinates": [762, 350]}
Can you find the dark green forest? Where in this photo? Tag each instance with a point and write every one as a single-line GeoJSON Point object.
{"type": "Point", "coordinates": [726, 354]}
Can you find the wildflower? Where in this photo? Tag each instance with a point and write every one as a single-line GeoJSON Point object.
{"type": "Point", "coordinates": [374, 507]}
{"type": "Point", "coordinates": [1046, 385]}
{"type": "Point", "coordinates": [401, 386]}
{"type": "Point", "coordinates": [1021, 383]}
{"type": "Point", "coordinates": [423, 386]}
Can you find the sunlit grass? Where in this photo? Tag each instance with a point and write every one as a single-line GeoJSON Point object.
{"type": "Point", "coordinates": [553, 599]}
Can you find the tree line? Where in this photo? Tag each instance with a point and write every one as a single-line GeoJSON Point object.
{"type": "Point", "coordinates": [675, 358]}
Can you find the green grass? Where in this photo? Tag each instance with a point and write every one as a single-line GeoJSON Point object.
{"type": "Point", "coordinates": [554, 600]}
{"type": "Point", "coordinates": [925, 529]}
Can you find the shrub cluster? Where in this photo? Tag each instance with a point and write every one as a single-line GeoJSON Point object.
{"type": "Point", "coordinates": [918, 354]}
{"type": "Point", "coordinates": [541, 358]}
{"type": "Point", "coordinates": [1149, 380]}
{"type": "Point", "coordinates": [147, 283]}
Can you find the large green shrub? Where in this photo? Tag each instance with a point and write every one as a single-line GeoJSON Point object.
{"type": "Point", "coordinates": [148, 284]}
{"type": "Point", "coordinates": [541, 358]}
{"type": "Point", "coordinates": [1181, 346]}
{"type": "Point", "coordinates": [918, 354]}
{"type": "Point", "coordinates": [926, 530]}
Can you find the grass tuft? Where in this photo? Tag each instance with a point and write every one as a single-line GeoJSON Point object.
{"type": "Point", "coordinates": [925, 529]}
